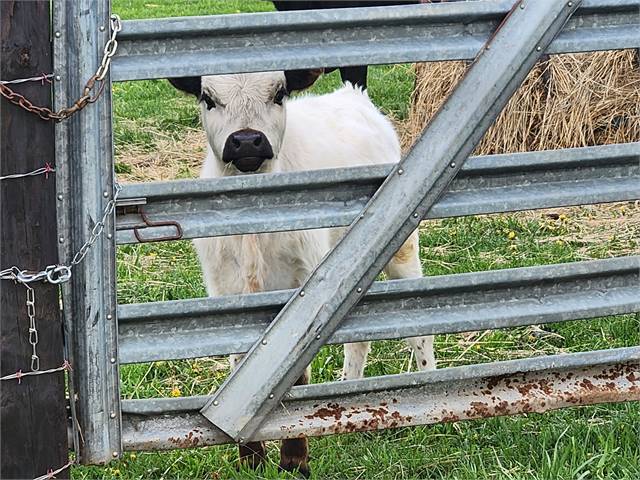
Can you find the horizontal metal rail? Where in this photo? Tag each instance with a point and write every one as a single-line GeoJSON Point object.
{"type": "Point", "coordinates": [334, 197]}
{"type": "Point", "coordinates": [218, 44]}
{"type": "Point", "coordinates": [394, 309]}
{"type": "Point", "coordinates": [446, 395]}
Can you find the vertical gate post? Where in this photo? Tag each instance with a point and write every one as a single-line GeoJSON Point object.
{"type": "Point", "coordinates": [34, 420]}
{"type": "Point", "coordinates": [285, 349]}
{"type": "Point", "coordinates": [84, 152]}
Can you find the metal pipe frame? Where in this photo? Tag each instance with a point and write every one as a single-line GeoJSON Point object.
{"type": "Point", "coordinates": [288, 40]}
{"type": "Point", "coordinates": [394, 309]}
{"type": "Point", "coordinates": [84, 184]}
{"type": "Point", "coordinates": [289, 344]}
{"type": "Point", "coordinates": [335, 197]}
{"type": "Point", "coordinates": [410, 399]}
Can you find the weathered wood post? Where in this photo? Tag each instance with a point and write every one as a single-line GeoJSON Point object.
{"type": "Point", "coordinates": [34, 420]}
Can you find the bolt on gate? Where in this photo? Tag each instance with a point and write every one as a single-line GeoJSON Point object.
{"type": "Point", "coordinates": [380, 204]}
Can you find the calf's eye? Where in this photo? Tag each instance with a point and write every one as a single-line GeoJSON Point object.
{"type": "Point", "coordinates": [279, 97]}
{"type": "Point", "coordinates": [209, 101]}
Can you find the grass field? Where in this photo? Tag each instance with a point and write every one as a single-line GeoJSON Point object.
{"type": "Point", "coordinates": [158, 136]}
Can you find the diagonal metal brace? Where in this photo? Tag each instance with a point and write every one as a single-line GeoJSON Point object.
{"type": "Point", "coordinates": [289, 344]}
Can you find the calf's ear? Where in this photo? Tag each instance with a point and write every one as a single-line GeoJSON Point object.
{"type": "Point", "coordinates": [192, 85]}
{"type": "Point", "coordinates": [301, 79]}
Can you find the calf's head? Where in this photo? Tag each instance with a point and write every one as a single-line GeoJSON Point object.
{"type": "Point", "coordinates": [244, 115]}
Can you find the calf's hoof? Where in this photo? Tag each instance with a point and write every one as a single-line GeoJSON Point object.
{"type": "Point", "coordinates": [294, 466]}
{"type": "Point", "coordinates": [252, 455]}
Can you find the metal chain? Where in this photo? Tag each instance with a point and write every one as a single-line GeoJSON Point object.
{"type": "Point", "coordinates": [97, 229]}
{"type": "Point", "coordinates": [55, 274]}
{"type": "Point", "coordinates": [47, 114]}
{"type": "Point", "coordinates": [33, 332]}
{"type": "Point", "coordinates": [62, 273]}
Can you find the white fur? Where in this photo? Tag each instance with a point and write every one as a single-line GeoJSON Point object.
{"type": "Point", "coordinates": [340, 129]}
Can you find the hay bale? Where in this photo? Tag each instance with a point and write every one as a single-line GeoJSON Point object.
{"type": "Point", "coordinates": [571, 100]}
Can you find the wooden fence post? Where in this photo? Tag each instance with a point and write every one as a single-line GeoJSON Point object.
{"type": "Point", "coordinates": [34, 419]}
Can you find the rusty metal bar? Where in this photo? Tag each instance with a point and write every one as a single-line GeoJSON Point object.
{"type": "Point", "coordinates": [446, 395]}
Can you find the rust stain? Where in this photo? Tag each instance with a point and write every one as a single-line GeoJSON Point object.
{"type": "Point", "coordinates": [189, 441]}
{"type": "Point", "coordinates": [587, 385]}
{"type": "Point", "coordinates": [374, 418]}
{"type": "Point", "coordinates": [331, 410]}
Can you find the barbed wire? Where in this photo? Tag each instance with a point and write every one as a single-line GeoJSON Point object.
{"type": "Point", "coordinates": [44, 78]}
{"type": "Point", "coordinates": [97, 78]}
{"type": "Point", "coordinates": [53, 473]}
{"type": "Point", "coordinates": [46, 170]}
{"type": "Point", "coordinates": [19, 375]}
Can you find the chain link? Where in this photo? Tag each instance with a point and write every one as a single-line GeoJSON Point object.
{"type": "Point", "coordinates": [98, 228]}
{"type": "Point", "coordinates": [33, 332]}
{"type": "Point", "coordinates": [46, 113]}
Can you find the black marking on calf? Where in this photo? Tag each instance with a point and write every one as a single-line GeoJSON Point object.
{"type": "Point", "coordinates": [301, 79]}
{"type": "Point", "coordinates": [192, 85]}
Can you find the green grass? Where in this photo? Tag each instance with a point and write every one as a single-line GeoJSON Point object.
{"type": "Point", "coordinates": [600, 442]}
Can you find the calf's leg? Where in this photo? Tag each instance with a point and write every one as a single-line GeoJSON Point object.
{"type": "Point", "coordinates": [294, 453]}
{"type": "Point", "coordinates": [355, 358]}
{"type": "Point", "coordinates": [406, 264]}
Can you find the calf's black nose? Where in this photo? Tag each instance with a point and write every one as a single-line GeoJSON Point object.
{"type": "Point", "coordinates": [246, 137]}
{"type": "Point", "coordinates": [247, 149]}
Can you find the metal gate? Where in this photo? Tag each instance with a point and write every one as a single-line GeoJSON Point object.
{"type": "Point", "coordinates": [381, 204]}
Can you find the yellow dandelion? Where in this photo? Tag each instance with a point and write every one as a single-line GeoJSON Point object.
{"type": "Point", "coordinates": [175, 392]}
{"type": "Point", "coordinates": [622, 209]}
{"type": "Point", "coordinates": [133, 456]}
{"type": "Point", "coordinates": [511, 235]}
{"type": "Point", "coordinates": [562, 217]}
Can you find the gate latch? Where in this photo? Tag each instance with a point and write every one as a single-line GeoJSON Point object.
{"type": "Point", "coordinates": [136, 206]}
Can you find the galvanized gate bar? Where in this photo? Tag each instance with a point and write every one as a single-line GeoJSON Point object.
{"type": "Point", "coordinates": [84, 182]}
{"type": "Point", "coordinates": [446, 395]}
{"type": "Point", "coordinates": [306, 322]}
{"type": "Point", "coordinates": [396, 309]}
{"type": "Point", "coordinates": [186, 46]}
{"type": "Point", "coordinates": [335, 197]}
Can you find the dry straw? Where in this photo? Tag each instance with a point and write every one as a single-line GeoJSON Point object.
{"type": "Point", "coordinates": [566, 101]}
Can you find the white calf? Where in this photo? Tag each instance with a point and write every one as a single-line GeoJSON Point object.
{"type": "Point", "coordinates": [252, 128]}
